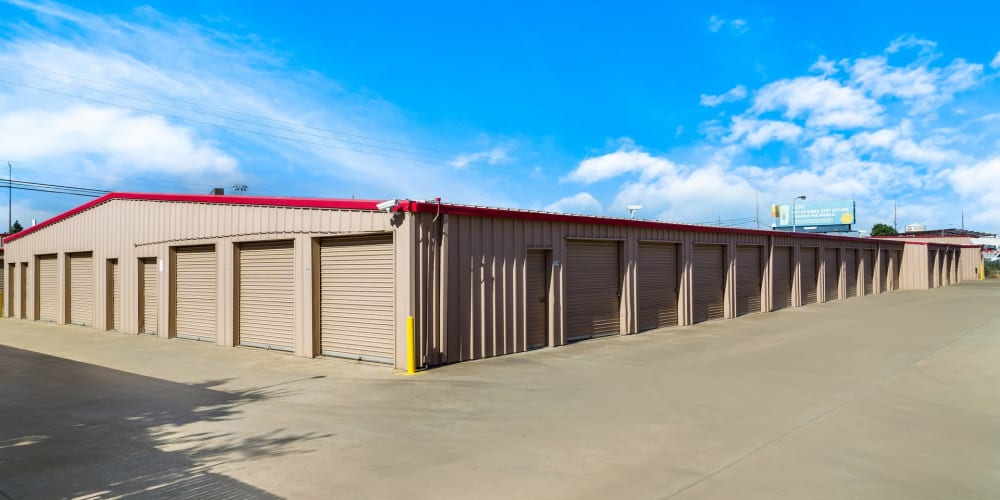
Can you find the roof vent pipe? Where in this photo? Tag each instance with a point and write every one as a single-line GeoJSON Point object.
{"type": "Point", "coordinates": [217, 191]}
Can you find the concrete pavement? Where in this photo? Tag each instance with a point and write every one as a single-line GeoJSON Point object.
{"type": "Point", "coordinates": [892, 396]}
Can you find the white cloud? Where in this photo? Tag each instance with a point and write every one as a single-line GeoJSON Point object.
{"type": "Point", "coordinates": [925, 47]}
{"type": "Point", "coordinates": [737, 93]}
{"type": "Point", "coordinates": [493, 156]}
{"type": "Point", "coordinates": [624, 161]}
{"type": "Point", "coordinates": [756, 133]}
{"type": "Point", "coordinates": [580, 203]}
{"type": "Point", "coordinates": [995, 63]}
{"type": "Point", "coordinates": [716, 23]}
{"type": "Point", "coordinates": [824, 66]}
{"type": "Point", "coordinates": [908, 150]}
{"type": "Point", "coordinates": [822, 101]}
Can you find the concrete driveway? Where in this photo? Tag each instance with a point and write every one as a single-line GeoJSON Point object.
{"type": "Point", "coordinates": [893, 396]}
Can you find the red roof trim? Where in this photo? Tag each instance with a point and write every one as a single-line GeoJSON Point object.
{"type": "Point", "coordinates": [329, 203]}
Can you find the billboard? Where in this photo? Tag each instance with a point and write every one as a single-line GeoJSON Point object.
{"type": "Point", "coordinates": [815, 213]}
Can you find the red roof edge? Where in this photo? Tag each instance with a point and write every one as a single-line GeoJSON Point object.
{"type": "Point", "coordinates": [343, 204]}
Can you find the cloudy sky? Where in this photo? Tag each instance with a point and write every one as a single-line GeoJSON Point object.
{"type": "Point", "coordinates": [693, 111]}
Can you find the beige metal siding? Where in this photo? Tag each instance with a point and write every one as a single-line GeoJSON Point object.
{"type": "Point", "coordinates": [47, 295]}
{"type": "Point", "coordinates": [656, 276]}
{"type": "Point", "coordinates": [196, 292]}
{"type": "Point", "coordinates": [24, 292]}
{"type": "Point", "coordinates": [869, 276]}
{"type": "Point", "coordinates": [808, 271]}
{"type": "Point", "coordinates": [266, 305]}
{"type": "Point", "coordinates": [11, 291]}
{"type": "Point", "coordinates": [931, 266]}
{"type": "Point", "coordinates": [593, 289]}
{"type": "Point", "coordinates": [851, 272]}
{"type": "Point", "coordinates": [114, 302]}
{"type": "Point", "coordinates": [148, 290]}
{"type": "Point", "coordinates": [357, 290]}
{"type": "Point", "coordinates": [782, 261]}
{"type": "Point", "coordinates": [81, 289]}
{"type": "Point", "coordinates": [537, 286]}
{"type": "Point", "coordinates": [832, 274]}
{"type": "Point", "coordinates": [709, 282]}
{"type": "Point", "coordinates": [748, 279]}
{"type": "Point", "coordinates": [897, 264]}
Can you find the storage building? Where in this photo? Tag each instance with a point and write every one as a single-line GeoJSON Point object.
{"type": "Point", "coordinates": [340, 278]}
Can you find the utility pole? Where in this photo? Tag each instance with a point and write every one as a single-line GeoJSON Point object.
{"type": "Point", "coordinates": [10, 195]}
{"type": "Point", "coordinates": [895, 227]}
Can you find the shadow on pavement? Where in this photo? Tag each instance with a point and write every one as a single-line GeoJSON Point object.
{"type": "Point", "coordinates": [71, 429]}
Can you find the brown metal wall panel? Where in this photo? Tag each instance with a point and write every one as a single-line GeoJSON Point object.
{"type": "Point", "coordinates": [149, 290]}
{"type": "Point", "coordinates": [749, 275]}
{"type": "Point", "coordinates": [357, 293]}
{"type": "Point", "coordinates": [869, 272]}
{"type": "Point", "coordinates": [114, 310]}
{"type": "Point", "coordinates": [196, 293]}
{"type": "Point", "coordinates": [81, 289]}
{"type": "Point", "coordinates": [47, 295]}
{"type": "Point", "coordinates": [832, 274]}
{"type": "Point", "coordinates": [536, 294]}
{"type": "Point", "coordinates": [808, 269]}
{"type": "Point", "coordinates": [266, 302]}
{"type": "Point", "coordinates": [782, 261]}
{"type": "Point", "coordinates": [709, 282]}
{"type": "Point", "coordinates": [851, 272]}
{"type": "Point", "coordinates": [593, 289]}
{"type": "Point", "coordinates": [656, 286]}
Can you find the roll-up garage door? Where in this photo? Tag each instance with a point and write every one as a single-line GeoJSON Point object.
{"type": "Point", "coordinates": [48, 288]}
{"type": "Point", "coordinates": [851, 272]}
{"type": "Point", "coordinates": [832, 274]}
{"type": "Point", "coordinates": [266, 305]}
{"type": "Point", "coordinates": [931, 261]}
{"type": "Point", "coordinates": [748, 280]}
{"type": "Point", "coordinates": [807, 266]}
{"type": "Point", "coordinates": [657, 285]}
{"type": "Point", "coordinates": [114, 302]}
{"type": "Point", "coordinates": [9, 297]}
{"type": "Point", "coordinates": [196, 292]}
{"type": "Point", "coordinates": [357, 298]}
{"type": "Point", "coordinates": [897, 261]}
{"type": "Point", "coordinates": [23, 313]}
{"type": "Point", "coordinates": [947, 269]}
{"type": "Point", "coordinates": [883, 271]}
{"type": "Point", "coordinates": [593, 289]}
{"type": "Point", "coordinates": [81, 289]}
{"type": "Point", "coordinates": [536, 296]}
{"type": "Point", "coordinates": [782, 284]}
{"type": "Point", "coordinates": [869, 272]}
{"type": "Point", "coordinates": [709, 282]}
{"type": "Point", "coordinates": [148, 300]}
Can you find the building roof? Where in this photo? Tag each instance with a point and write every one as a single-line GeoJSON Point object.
{"type": "Point", "coordinates": [413, 206]}
{"type": "Point", "coordinates": [930, 233]}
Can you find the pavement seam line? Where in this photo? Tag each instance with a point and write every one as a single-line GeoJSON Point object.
{"type": "Point", "coordinates": [794, 430]}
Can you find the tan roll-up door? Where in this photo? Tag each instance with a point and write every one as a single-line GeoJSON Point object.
{"type": "Point", "coordinates": [869, 274]}
{"type": "Point", "coordinates": [593, 289]}
{"type": "Point", "coordinates": [851, 272]}
{"type": "Point", "coordinates": [9, 307]}
{"type": "Point", "coordinates": [47, 295]}
{"type": "Point", "coordinates": [709, 282]}
{"type": "Point", "coordinates": [807, 266]}
{"type": "Point", "coordinates": [536, 296]}
{"type": "Point", "coordinates": [266, 298]}
{"type": "Point", "coordinates": [81, 289]}
{"type": "Point", "coordinates": [897, 262]}
{"type": "Point", "coordinates": [832, 274]}
{"type": "Point", "coordinates": [931, 261]}
{"type": "Point", "coordinates": [24, 291]}
{"type": "Point", "coordinates": [114, 289]}
{"type": "Point", "coordinates": [782, 284]}
{"type": "Point", "coordinates": [748, 279]}
{"type": "Point", "coordinates": [883, 271]}
{"type": "Point", "coordinates": [947, 268]}
{"type": "Point", "coordinates": [357, 298]}
{"type": "Point", "coordinates": [657, 285]}
{"type": "Point", "coordinates": [148, 298]}
{"type": "Point", "coordinates": [195, 293]}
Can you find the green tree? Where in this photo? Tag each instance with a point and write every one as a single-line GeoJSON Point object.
{"type": "Point", "coordinates": [883, 230]}
{"type": "Point", "coordinates": [16, 227]}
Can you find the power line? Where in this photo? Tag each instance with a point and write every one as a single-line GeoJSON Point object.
{"type": "Point", "coordinates": [52, 188]}
{"type": "Point", "coordinates": [226, 110]}
{"type": "Point", "coordinates": [42, 184]}
{"type": "Point", "coordinates": [237, 129]}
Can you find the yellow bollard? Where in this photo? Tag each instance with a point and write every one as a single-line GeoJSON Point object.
{"type": "Point", "coordinates": [411, 355]}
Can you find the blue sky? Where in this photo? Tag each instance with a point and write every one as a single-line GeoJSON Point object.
{"type": "Point", "coordinates": [688, 108]}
